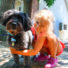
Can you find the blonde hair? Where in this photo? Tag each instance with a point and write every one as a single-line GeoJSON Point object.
{"type": "Point", "coordinates": [44, 13]}
{"type": "Point", "coordinates": [44, 16]}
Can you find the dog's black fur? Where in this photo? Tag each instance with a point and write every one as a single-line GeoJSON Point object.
{"type": "Point", "coordinates": [25, 20]}
{"type": "Point", "coordinates": [19, 25]}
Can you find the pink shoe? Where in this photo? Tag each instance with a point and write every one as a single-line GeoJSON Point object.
{"type": "Point", "coordinates": [51, 63]}
{"type": "Point", "coordinates": [41, 57]}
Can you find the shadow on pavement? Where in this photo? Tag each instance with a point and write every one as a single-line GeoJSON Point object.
{"type": "Point", "coordinates": [34, 64]}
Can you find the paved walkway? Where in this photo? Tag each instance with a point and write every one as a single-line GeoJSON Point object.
{"type": "Point", "coordinates": [6, 60]}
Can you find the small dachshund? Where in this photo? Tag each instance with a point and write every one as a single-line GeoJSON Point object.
{"type": "Point", "coordinates": [18, 25]}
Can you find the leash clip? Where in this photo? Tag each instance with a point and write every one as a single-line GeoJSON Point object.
{"type": "Point", "coordinates": [13, 41]}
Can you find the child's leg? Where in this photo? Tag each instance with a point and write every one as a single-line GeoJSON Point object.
{"type": "Point", "coordinates": [52, 44]}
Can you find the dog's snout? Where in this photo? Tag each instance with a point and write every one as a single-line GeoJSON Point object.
{"type": "Point", "coordinates": [14, 25]}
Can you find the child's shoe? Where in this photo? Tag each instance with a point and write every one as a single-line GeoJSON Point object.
{"type": "Point", "coordinates": [51, 63]}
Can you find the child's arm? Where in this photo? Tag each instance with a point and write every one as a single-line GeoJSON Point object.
{"type": "Point", "coordinates": [31, 52]}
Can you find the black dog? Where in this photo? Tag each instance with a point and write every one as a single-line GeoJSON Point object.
{"type": "Point", "coordinates": [18, 24]}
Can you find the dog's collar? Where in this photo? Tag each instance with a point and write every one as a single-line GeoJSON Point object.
{"type": "Point", "coordinates": [13, 40]}
{"type": "Point", "coordinates": [10, 34]}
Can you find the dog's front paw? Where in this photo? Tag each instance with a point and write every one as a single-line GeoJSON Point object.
{"type": "Point", "coordinates": [16, 66]}
{"type": "Point", "coordinates": [27, 66]}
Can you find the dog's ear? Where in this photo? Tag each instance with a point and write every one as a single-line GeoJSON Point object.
{"type": "Point", "coordinates": [7, 14]}
{"type": "Point", "coordinates": [4, 21]}
{"type": "Point", "coordinates": [1, 19]}
{"type": "Point", "coordinates": [4, 17]}
{"type": "Point", "coordinates": [26, 21]}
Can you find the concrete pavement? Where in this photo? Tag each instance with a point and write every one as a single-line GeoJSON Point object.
{"type": "Point", "coordinates": [6, 60]}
